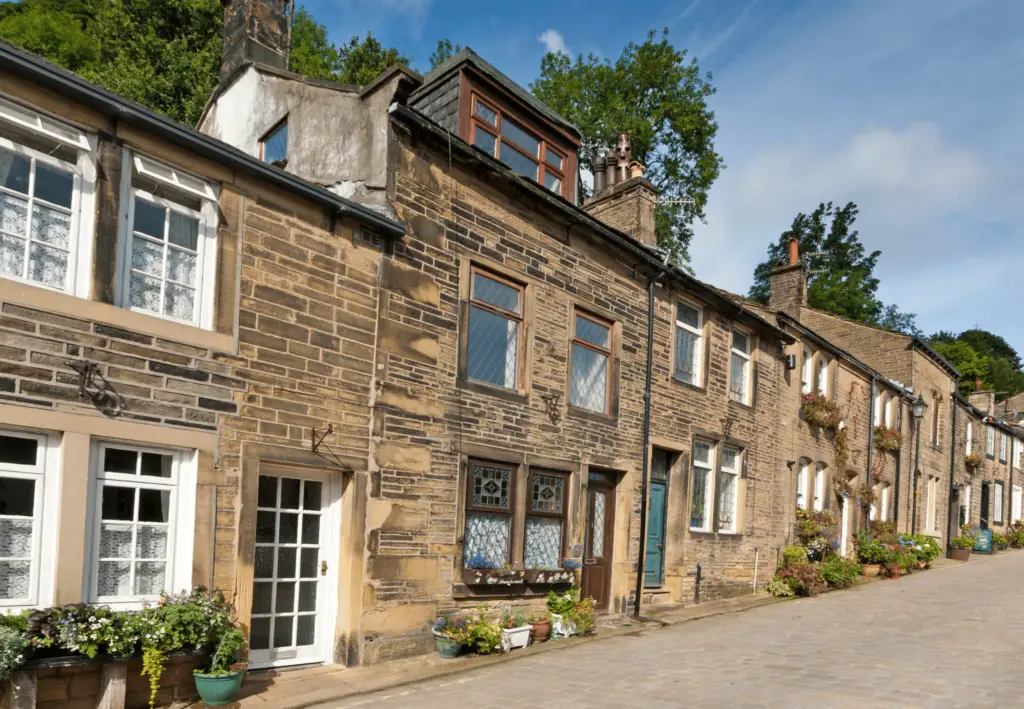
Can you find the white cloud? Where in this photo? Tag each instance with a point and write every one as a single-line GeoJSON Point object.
{"type": "Point", "coordinates": [553, 41]}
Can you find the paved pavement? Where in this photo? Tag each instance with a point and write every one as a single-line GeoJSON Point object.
{"type": "Point", "coordinates": [946, 638]}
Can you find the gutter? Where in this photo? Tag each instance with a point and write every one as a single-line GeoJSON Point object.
{"type": "Point", "coordinates": [77, 89]}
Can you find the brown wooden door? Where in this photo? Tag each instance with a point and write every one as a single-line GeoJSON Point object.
{"type": "Point", "coordinates": [597, 553]}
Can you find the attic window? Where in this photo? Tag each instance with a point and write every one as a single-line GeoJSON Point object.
{"type": "Point", "coordinates": [524, 151]}
{"type": "Point", "coordinates": [274, 145]}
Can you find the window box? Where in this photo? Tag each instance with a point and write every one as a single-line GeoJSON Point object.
{"type": "Point", "coordinates": [493, 577]}
{"type": "Point", "coordinates": [550, 576]}
{"type": "Point", "coordinates": [973, 461]}
{"type": "Point", "coordinates": [820, 411]}
{"type": "Point", "coordinates": [887, 439]}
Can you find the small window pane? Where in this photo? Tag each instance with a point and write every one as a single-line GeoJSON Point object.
{"type": "Point", "coordinates": [17, 497]}
{"type": "Point", "coordinates": [310, 529]}
{"type": "Point", "coordinates": [491, 487]}
{"type": "Point", "coordinates": [487, 114]}
{"type": "Point", "coordinates": [741, 342]}
{"type": "Point", "coordinates": [115, 541]}
{"type": "Point", "coordinates": [48, 266]}
{"type": "Point", "coordinates": [265, 525]}
{"type": "Point", "coordinates": [14, 579]}
{"type": "Point", "coordinates": [15, 450]}
{"type": "Point", "coordinates": [542, 545]}
{"type": "Point", "coordinates": [686, 343]}
{"type": "Point", "coordinates": [290, 493]}
{"type": "Point", "coordinates": [114, 578]}
{"type": "Point", "coordinates": [484, 140]}
{"type": "Point", "coordinates": [14, 171]}
{"type": "Point", "coordinates": [183, 231]}
{"type": "Point", "coordinates": [150, 577]}
{"type": "Point", "coordinates": [546, 493]}
{"type": "Point", "coordinates": [288, 528]}
{"type": "Point", "coordinates": [307, 596]}
{"type": "Point", "coordinates": [264, 566]}
{"type": "Point", "coordinates": [285, 602]}
{"type": "Point", "coordinates": [729, 458]}
{"type": "Point", "coordinates": [16, 538]}
{"type": "Point", "coordinates": [688, 315]}
{"type": "Point", "coordinates": [553, 159]}
{"type": "Point", "coordinates": [149, 218]}
{"type": "Point", "coordinates": [308, 563]}
{"type": "Point", "coordinates": [275, 145]}
{"type": "Point", "coordinates": [154, 505]}
{"type": "Point", "coordinates": [487, 535]}
{"type": "Point", "coordinates": [592, 332]}
{"type": "Point", "coordinates": [518, 162]}
{"type": "Point", "coordinates": [117, 460]}
{"type": "Point", "coordinates": [699, 503]}
{"type": "Point", "coordinates": [311, 495]}
{"type": "Point", "coordinates": [492, 348]}
{"type": "Point", "coordinates": [267, 494]}
{"type": "Point", "coordinates": [589, 379]}
{"type": "Point", "coordinates": [495, 293]}
{"type": "Point", "coordinates": [702, 453]}
{"type": "Point", "coordinates": [118, 503]}
{"type": "Point", "coordinates": [552, 183]}
{"type": "Point", "coordinates": [523, 139]}
{"type": "Point", "coordinates": [259, 634]}
{"type": "Point", "coordinates": [54, 185]}
{"type": "Point", "coordinates": [261, 597]}
{"type": "Point", "coordinates": [283, 631]}
{"type": "Point", "coordinates": [157, 465]}
{"type": "Point", "coordinates": [305, 631]}
{"type": "Point", "coordinates": [286, 561]}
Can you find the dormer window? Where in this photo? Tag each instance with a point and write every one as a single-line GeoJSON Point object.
{"type": "Point", "coordinates": [274, 145]}
{"type": "Point", "coordinates": [523, 150]}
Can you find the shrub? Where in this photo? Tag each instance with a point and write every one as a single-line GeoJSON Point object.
{"type": "Point", "coordinates": [973, 460]}
{"type": "Point", "coordinates": [804, 579]}
{"type": "Point", "coordinates": [1015, 535]}
{"type": "Point", "coordinates": [794, 555]}
{"type": "Point", "coordinates": [964, 541]}
{"type": "Point", "coordinates": [481, 635]}
{"type": "Point", "coordinates": [872, 551]}
{"type": "Point", "coordinates": [838, 572]}
{"type": "Point", "coordinates": [573, 609]}
{"type": "Point", "coordinates": [12, 651]}
{"type": "Point", "coordinates": [998, 540]}
{"type": "Point", "coordinates": [780, 588]}
{"type": "Point", "coordinates": [925, 548]}
{"type": "Point", "coordinates": [907, 561]}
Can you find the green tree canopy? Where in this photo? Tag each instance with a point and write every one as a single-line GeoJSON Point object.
{"type": "Point", "coordinates": [652, 92]}
{"type": "Point", "coordinates": [841, 277]}
{"type": "Point", "coordinates": [445, 51]}
{"type": "Point", "coordinates": [358, 61]}
{"type": "Point", "coordinates": [980, 354]}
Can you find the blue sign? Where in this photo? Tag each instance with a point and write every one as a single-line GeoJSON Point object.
{"type": "Point", "coordinates": [983, 541]}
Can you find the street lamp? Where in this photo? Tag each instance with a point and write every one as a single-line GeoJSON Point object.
{"type": "Point", "coordinates": [917, 408]}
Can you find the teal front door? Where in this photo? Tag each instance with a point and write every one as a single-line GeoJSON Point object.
{"type": "Point", "coordinates": [654, 559]}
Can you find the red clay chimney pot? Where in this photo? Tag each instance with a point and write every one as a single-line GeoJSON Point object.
{"type": "Point", "coordinates": [794, 251]}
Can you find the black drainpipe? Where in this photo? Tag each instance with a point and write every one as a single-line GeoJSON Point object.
{"type": "Point", "coordinates": [899, 460]}
{"type": "Point", "coordinates": [871, 449]}
{"type": "Point", "coordinates": [646, 454]}
{"type": "Point", "coordinates": [952, 466]}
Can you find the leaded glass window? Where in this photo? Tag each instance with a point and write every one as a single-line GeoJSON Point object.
{"type": "Point", "coordinates": [489, 514]}
{"type": "Point", "coordinates": [688, 343]}
{"type": "Point", "coordinates": [700, 496]}
{"type": "Point", "coordinates": [494, 339]}
{"type": "Point", "coordinates": [133, 552]}
{"type": "Point", "coordinates": [21, 492]}
{"type": "Point", "coordinates": [739, 368]}
{"type": "Point", "coordinates": [591, 357]}
{"type": "Point", "coordinates": [545, 520]}
{"type": "Point", "coordinates": [727, 486]}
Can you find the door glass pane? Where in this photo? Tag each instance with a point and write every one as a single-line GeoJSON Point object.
{"type": "Point", "coordinates": [290, 493]}
{"type": "Point", "coordinates": [262, 593]}
{"type": "Point", "coordinates": [286, 559]}
{"type": "Point", "coordinates": [305, 633]}
{"type": "Point", "coordinates": [259, 634]}
{"type": "Point", "coordinates": [17, 497]}
{"type": "Point", "coordinates": [310, 529]}
{"type": "Point", "coordinates": [308, 563]}
{"type": "Point", "coordinates": [288, 528]}
{"type": "Point", "coordinates": [118, 503]}
{"type": "Point", "coordinates": [283, 631]}
{"type": "Point", "coordinates": [311, 495]}
{"type": "Point", "coordinates": [597, 526]}
{"type": "Point", "coordinates": [307, 596]}
{"type": "Point", "coordinates": [15, 450]}
{"type": "Point", "coordinates": [285, 602]}
{"type": "Point", "coordinates": [267, 494]}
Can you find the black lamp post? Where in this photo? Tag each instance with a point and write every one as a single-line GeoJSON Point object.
{"type": "Point", "coordinates": [917, 408]}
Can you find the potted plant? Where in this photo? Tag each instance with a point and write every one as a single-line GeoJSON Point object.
{"type": "Point", "coordinates": [515, 630]}
{"type": "Point", "coordinates": [820, 411]}
{"type": "Point", "coordinates": [973, 460]}
{"type": "Point", "coordinates": [871, 553]}
{"type": "Point", "coordinates": [999, 541]}
{"type": "Point", "coordinates": [449, 635]}
{"type": "Point", "coordinates": [570, 615]}
{"type": "Point", "coordinates": [540, 628]}
{"type": "Point", "coordinates": [960, 546]}
{"type": "Point", "coordinates": [887, 439]}
{"type": "Point", "coordinates": [218, 683]}
{"type": "Point", "coordinates": [1015, 535]}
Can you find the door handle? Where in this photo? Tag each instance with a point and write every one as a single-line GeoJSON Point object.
{"type": "Point", "coordinates": [323, 568]}
{"type": "Point", "coordinates": [660, 546]}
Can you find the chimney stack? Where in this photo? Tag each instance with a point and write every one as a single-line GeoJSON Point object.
{"type": "Point", "coordinates": [623, 198]}
{"type": "Point", "coordinates": [788, 283]}
{"type": "Point", "coordinates": [256, 31]}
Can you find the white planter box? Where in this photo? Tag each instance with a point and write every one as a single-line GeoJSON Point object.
{"type": "Point", "coordinates": [561, 627]}
{"type": "Point", "coordinates": [515, 637]}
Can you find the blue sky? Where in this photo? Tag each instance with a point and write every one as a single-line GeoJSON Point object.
{"type": "Point", "coordinates": [911, 109]}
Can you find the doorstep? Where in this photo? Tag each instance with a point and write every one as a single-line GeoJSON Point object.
{"type": "Point", "coordinates": [679, 613]}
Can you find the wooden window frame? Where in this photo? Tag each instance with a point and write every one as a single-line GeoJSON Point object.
{"type": "Point", "coordinates": [544, 144]}
{"type": "Point", "coordinates": [698, 348]}
{"type": "Point", "coordinates": [528, 506]}
{"type": "Point", "coordinates": [998, 502]}
{"type": "Point", "coordinates": [609, 353]}
{"type": "Point", "coordinates": [818, 501]}
{"type": "Point", "coordinates": [737, 472]}
{"type": "Point", "coordinates": [1002, 447]}
{"type": "Point", "coordinates": [802, 487]}
{"type": "Point", "coordinates": [710, 488]}
{"type": "Point", "coordinates": [273, 129]}
{"type": "Point", "coordinates": [470, 507]}
{"type": "Point", "coordinates": [518, 318]}
{"type": "Point", "coordinates": [990, 442]}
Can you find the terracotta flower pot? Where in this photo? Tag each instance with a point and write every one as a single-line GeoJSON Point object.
{"type": "Point", "coordinates": [892, 571]}
{"type": "Point", "coordinates": [960, 554]}
{"type": "Point", "coordinates": [870, 570]}
{"type": "Point", "coordinates": [540, 630]}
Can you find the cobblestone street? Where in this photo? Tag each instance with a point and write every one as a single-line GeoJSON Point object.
{"type": "Point", "coordinates": [955, 641]}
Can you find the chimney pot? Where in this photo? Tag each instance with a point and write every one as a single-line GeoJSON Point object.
{"type": "Point", "coordinates": [609, 169]}
{"type": "Point", "coordinates": [598, 175]}
{"type": "Point", "coordinates": [636, 169]}
{"type": "Point", "coordinates": [794, 251]}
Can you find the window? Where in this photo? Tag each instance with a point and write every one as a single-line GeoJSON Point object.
{"type": "Point", "coordinates": [879, 404]}
{"type": "Point", "coordinates": [965, 506]}
{"type": "Point", "coordinates": [884, 512]}
{"type": "Point", "coordinates": [818, 501]}
{"type": "Point", "coordinates": [525, 152]}
{"type": "Point", "coordinates": [997, 512]}
{"type": "Point", "coordinates": [1015, 503]}
{"type": "Point", "coordinates": [872, 508]}
{"type": "Point", "coordinates": [494, 339]}
{"type": "Point", "coordinates": [169, 242]}
{"type": "Point", "coordinates": [26, 501]}
{"type": "Point", "coordinates": [545, 520]}
{"type": "Point", "coordinates": [1002, 447]}
{"type": "Point", "coordinates": [806, 372]}
{"type": "Point", "coordinates": [47, 176]}
{"type": "Point", "coordinates": [700, 498]}
{"type": "Point", "coordinates": [891, 402]}
{"type": "Point", "coordinates": [1016, 453]}
{"type": "Point", "coordinates": [931, 518]}
{"type": "Point", "coordinates": [739, 368]}
{"type": "Point", "coordinates": [689, 320]}
{"type": "Point", "coordinates": [489, 511]}
{"type": "Point", "coordinates": [274, 145]}
{"type": "Point", "coordinates": [801, 485]}
{"type": "Point", "coordinates": [822, 375]}
{"type": "Point", "coordinates": [728, 483]}
{"type": "Point", "coordinates": [591, 356]}
{"type": "Point", "coordinates": [990, 442]}
{"type": "Point", "coordinates": [936, 403]}
{"type": "Point", "coordinates": [970, 437]}
{"type": "Point", "coordinates": [143, 524]}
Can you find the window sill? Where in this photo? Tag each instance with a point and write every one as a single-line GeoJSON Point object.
{"type": "Point", "coordinates": [725, 536]}
{"type": "Point", "coordinates": [692, 387]}
{"type": "Point", "coordinates": [577, 412]}
{"type": "Point", "coordinates": [487, 389]}
{"type": "Point", "coordinates": [733, 402]}
{"type": "Point", "coordinates": [48, 300]}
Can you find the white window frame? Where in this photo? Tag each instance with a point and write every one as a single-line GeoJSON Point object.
{"type": "Point", "coordinates": [83, 200]}
{"type": "Point", "coordinates": [932, 521]}
{"type": "Point", "coordinates": [802, 477]}
{"type": "Point", "coordinates": [698, 342]}
{"type": "Point", "coordinates": [990, 441]}
{"type": "Point", "coordinates": [181, 519]}
{"type": "Point", "coordinates": [1016, 453]}
{"type": "Point", "coordinates": [883, 513]}
{"type": "Point", "coordinates": [748, 358]}
{"type": "Point", "coordinates": [730, 527]}
{"type": "Point", "coordinates": [967, 503]}
{"type": "Point", "coordinates": [970, 437]}
{"type": "Point", "coordinates": [998, 504]}
{"type": "Point", "coordinates": [890, 417]}
{"type": "Point", "coordinates": [46, 507]}
{"type": "Point", "coordinates": [1016, 495]}
{"type": "Point", "coordinates": [1002, 447]}
{"type": "Point", "coordinates": [879, 399]}
{"type": "Point", "coordinates": [709, 487]}
{"type": "Point", "coordinates": [818, 499]}
{"type": "Point", "coordinates": [873, 508]}
{"type": "Point", "coordinates": [822, 375]}
{"type": "Point", "coordinates": [807, 371]}
{"type": "Point", "coordinates": [206, 247]}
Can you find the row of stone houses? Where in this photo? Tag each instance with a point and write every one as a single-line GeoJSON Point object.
{"type": "Point", "coordinates": [360, 355]}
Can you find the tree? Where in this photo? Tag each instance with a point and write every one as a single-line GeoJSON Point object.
{"type": "Point", "coordinates": [841, 278]}
{"type": "Point", "coordinates": [980, 354]}
{"type": "Point", "coordinates": [312, 54]}
{"type": "Point", "coordinates": [363, 60]}
{"type": "Point", "coordinates": [989, 344]}
{"type": "Point", "coordinates": [445, 51]}
{"type": "Point", "coordinates": [964, 357]}
{"type": "Point", "coordinates": [654, 94]}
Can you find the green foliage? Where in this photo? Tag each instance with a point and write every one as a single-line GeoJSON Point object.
{"type": "Point", "coordinates": [821, 411]}
{"type": "Point", "coordinates": [794, 555]}
{"type": "Point", "coordinates": [842, 279]}
{"type": "Point", "coordinates": [226, 653]}
{"type": "Point", "coordinates": [445, 51]}
{"type": "Point", "coordinates": [652, 92]}
{"type": "Point", "coordinates": [513, 619]}
{"type": "Point", "coordinates": [980, 354]}
{"type": "Point", "coordinates": [887, 439]}
{"type": "Point", "coordinates": [1015, 535]}
{"type": "Point", "coordinates": [362, 60]}
{"type": "Point", "coordinates": [12, 651]}
{"type": "Point", "coordinates": [481, 635]}
{"type": "Point", "coordinates": [999, 540]}
{"type": "Point", "coordinates": [563, 603]}
{"type": "Point", "coordinates": [839, 572]}
{"type": "Point", "coordinates": [803, 579]}
{"type": "Point", "coordinates": [926, 548]}
{"type": "Point", "coordinates": [312, 54]}
{"type": "Point", "coordinates": [963, 541]}
{"type": "Point", "coordinates": [15, 621]}
{"type": "Point", "coordinates": [780, 588]}
{"type": "Point", "coordinates": [153, 659]}
{"type": "Point", "coordinates": [872, 551]}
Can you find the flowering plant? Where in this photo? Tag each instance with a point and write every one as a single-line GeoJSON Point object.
{"type": "Point", "coordinates": [887, 439]}
{"type": "Point", "coordinates": [973, 460]}
{"type": "Point", "coordinates": [820, 411]}
{"type": "Point", "coordinates": [479, 561]}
